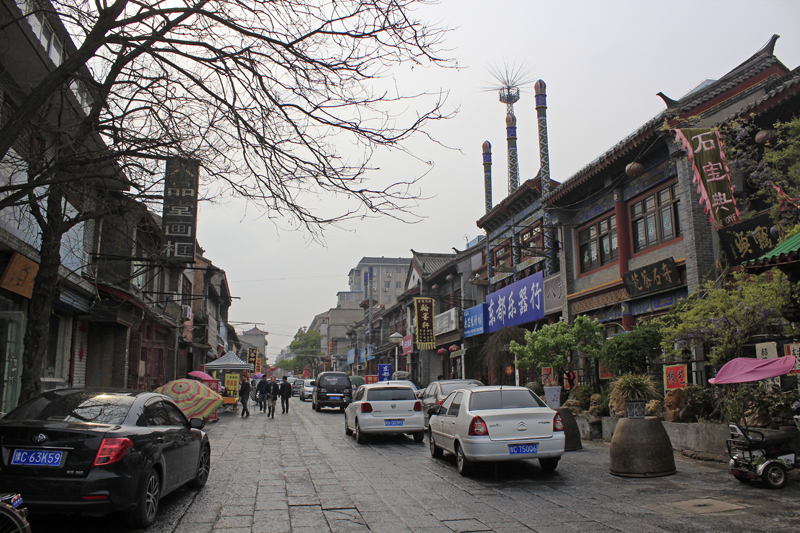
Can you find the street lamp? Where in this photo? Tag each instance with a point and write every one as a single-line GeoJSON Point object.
{"type": "Point", "coordinates": [396, 339]}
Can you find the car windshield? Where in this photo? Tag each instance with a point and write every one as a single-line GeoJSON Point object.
{"type": "Point", "coordinates": [389, 394]}
{"type": "Point", "coordinates": [334, 380]}
{"type": "Point", "coordinates": [503, 399]}
{"type": "Point", "coordinates": [75, 406]}
{"type": "Point", "coordinates": [447, 388]}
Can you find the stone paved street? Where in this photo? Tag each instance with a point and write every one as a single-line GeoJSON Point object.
{"type": "Point", "coordinates": [299, 473]}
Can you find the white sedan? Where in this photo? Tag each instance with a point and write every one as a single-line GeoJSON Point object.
{"type": "Point", "coordinates": [386, 409]}
{"type": "Point", "coordinates": [496, 424]}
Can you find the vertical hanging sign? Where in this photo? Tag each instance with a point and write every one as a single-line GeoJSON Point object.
{"type": "Point", "coordinates": [179, 220]}
{"type": "Point", "coordinates": [711, 175]}
{"type": "Point", "coordinates": [426, 335]}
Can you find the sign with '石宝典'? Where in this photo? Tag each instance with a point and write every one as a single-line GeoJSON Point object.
{"type": "Point", "coordinates": [711, 175]}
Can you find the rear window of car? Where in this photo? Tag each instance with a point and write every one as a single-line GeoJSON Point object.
{"type": "Point", "coordinates": [334, 380]}
{"type": "Point", "coordinates": [447, 388]}
{"type": "Point", "coordinates": [390, 393]}
{"type": "Point", "coordinates": [500, 399]}
{"type": "Point", "coordinates": [75, 406]}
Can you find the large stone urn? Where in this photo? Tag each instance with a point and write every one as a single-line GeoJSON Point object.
{"type": "Point", "coordinates": [641, 447]}
{"type": "Point", "coordinates": [572, 433]}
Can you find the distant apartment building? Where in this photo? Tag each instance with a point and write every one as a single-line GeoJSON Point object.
{"type": "Point", "coordinates": [388, 278]}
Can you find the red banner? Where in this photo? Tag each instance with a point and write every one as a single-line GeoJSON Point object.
{"type": "Point", "coordinates": [674, 377]}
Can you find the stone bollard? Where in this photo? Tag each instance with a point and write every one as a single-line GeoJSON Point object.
{"type": "Point", "coordinates": [641, 447]}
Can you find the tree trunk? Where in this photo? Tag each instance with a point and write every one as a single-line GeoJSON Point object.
{"type": "Point", "coordinates": [45, 287]}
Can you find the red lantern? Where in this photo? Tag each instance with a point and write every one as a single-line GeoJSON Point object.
{"type": "Point", "coordinates": [454, 348]}
{"type": "Point", "coordinates": [634, 169]}
{"type": "Point", "coordinates": [442, 352]}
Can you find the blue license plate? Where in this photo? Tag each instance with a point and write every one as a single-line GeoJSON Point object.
{"type": "Point", "coordinates": [393, 422]}
{"type": "Point", "coordinates": [515, 449]}
{"type": "Point", "coordinates": [335, 397]}
{"type": "Point", "coordinates": [37, 458]}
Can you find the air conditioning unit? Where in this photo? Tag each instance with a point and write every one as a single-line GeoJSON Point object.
{"type": "Point", "coordinates": [360, 367]}
{"type": "Point", "coordinates": [385, 289]}
{"type": "Point", "coordinates": [388, 274]}
{"type": "Point", "coordinates": [186, 312]}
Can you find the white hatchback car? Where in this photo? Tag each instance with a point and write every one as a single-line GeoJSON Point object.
{"type": "Point", "coordinates": [381, 408]}
{"type": "Point", "coordinates": [496, 424]}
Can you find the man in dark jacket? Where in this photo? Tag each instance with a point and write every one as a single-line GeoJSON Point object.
{"type": "Point", "coordinates": [273, 391]}
{"type": "Point", "coordinates": [261, 389]}
{"type": "Point", "coordinates": [286, 393]}
{"type": "Point", "coordinates": [244, 396]}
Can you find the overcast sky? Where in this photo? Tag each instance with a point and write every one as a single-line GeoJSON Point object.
{"type": "Point", "coordinates": [603, 63]}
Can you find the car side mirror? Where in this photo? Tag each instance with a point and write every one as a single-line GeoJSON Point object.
{"type": "Point", "coordinates": [197, 423]}
{"type": "Point", "coordinates": [313, 383]}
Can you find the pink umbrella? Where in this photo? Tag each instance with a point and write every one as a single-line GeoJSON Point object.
{"type": "Point", "coordinates": [747, 369]}
{"type": "Point", "coordinates": [201, 375]}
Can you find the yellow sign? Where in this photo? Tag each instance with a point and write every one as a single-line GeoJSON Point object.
{"type": "Point", "coordinates": [258, 365]}
{"type": "Point", "coordinates": [19, 275]}
{"type": "Point", "coordinates": [232, 384]}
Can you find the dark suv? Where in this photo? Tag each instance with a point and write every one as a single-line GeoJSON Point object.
{"type": "Point", "coordinates": [331, 389]}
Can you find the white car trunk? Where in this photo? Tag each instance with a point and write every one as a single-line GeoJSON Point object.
{"type": "Point", "coordinates": [393, 408]}
{"type": "Point", "coordinates": [511, 424]}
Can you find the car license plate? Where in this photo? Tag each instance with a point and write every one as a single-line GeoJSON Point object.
{"type": "Point", "coordinates": [515, 449]}
{"type": "Point", "coordinates": [393, 422]}
{"type": "Point", "coordinates": [335, 397]}
{"type": "Point", "coordinates": [37, 458]}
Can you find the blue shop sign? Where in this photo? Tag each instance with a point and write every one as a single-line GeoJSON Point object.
{"type": "Point", "coordinates": [362, 355]}
{"type": "Point", "coordinates": [351, 356]}
{"type": "Point", "coordinates": [519, 303]}
{"type": "Point", "coordinates": [474, 320]}
{"type": "Point", "coordinates": [384, 372]}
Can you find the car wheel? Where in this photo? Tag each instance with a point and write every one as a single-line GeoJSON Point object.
{"type": "Point", "coordinates": [361, 438]}
{"type": "Point", "coordinates": [317, 408]}
{"type": "Point", "coordinates": [347, 430]}
{"type": "Point", "coordinates": [436, 452]}
{"type": "Point", "coordinates": [774, 476]}
{"type": "Point", "coordinates": [463, 465]}
{"type": "Point", "coordinates": [418, 436]}
{"type": "Point", "coordinates": [147, 502]}
{"type": "Point", "coordinates": [203, 469]}
{"type": "Point", "coordinates": [549, 464]}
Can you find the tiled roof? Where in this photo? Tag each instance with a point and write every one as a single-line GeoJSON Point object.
{"type": "Point", "coordinates": [785, 252]}
{"type": "Point", "coordinates": [787, 86]}
{"type": "Point", "coordinates": [429, 263]}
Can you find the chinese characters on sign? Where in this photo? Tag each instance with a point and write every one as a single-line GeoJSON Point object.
{"type": "Point", "coordinates": [19, 275]}
{"type": "Point", "coordinates": [767, 350]}
{"type": "Point", "coordinates": [749, 239]}
{"type": "Point", "coordinates": [794, 349]}
{"type": "Point", "coordinates": [426, 335]}
{"type": "Point", "coordinates": [371, 378]}
{"type": "Point", "coordinates": [258, 365]}
{"type": "Point", "coordinates": [408, 344]}
{"type": "Point", "coordinates": [252, 355]}
{"type": "Point", "coordinates": [674, 377]}
{"type": "Point", "coordinates": [519, 303]}
{"type": "Point", "coordinates": [553, 296]}
{"type": "Point", "coordinates": [474, 320]}
{"type": "Point", "coordinates": [711, 174]}
{"type": "Point", "coordinates": [179, 220]}
{"type": "Point", "coordinates": [651, 278]}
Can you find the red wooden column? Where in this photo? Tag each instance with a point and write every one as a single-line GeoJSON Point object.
{"type": "Point", "coordinates": [624, 246]}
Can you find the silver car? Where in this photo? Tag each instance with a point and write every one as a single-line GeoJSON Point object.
{"type": "Point", "coordinates": [496, 424]}
{"type": "Point", "coordinates": [381, 408]}
{"type": "Point", "coordinates": [307, 391]}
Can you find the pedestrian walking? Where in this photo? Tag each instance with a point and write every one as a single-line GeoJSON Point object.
{"type": "Point", "coordinates": [286, 393]}
{"type": "Point", "coordinates": [273, 391]}
{"type": "Point", "coordinates": [261, 389]}
{"type": "Point", "coordinates": [244, 396]}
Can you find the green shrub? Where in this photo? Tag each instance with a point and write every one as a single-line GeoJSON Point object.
{"type": "Point", "coordinates": [583, 393]}
{"type": "Point", "coordinates": [701, 403]}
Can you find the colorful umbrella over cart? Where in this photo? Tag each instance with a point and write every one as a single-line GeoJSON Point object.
{"type": "Point", "coordinates": [194, 398]}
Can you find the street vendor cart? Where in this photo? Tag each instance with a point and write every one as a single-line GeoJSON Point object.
{"type": "Point", "coordinates": [229, 369]}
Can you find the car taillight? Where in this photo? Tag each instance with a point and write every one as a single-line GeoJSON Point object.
{"type": "Point", "coordinates": [558, 424]}
{"type": "Point", "coordinates": [112, 450]}
{"type": "Point", "coordinates": [418, 406]}
{"type": "Point", "coordinates": [366, 408]}
{"type": "Point", "coordinates": [478, 427]}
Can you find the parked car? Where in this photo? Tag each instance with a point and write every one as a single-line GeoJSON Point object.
{"type": "Point", "coordinates": [307, 390]}
{"type": "Point", "coordinates": [331, 389]}
{"type": "Point", "coordinates": [297, 386]}
{"type": "Point", "coordinates": [99, 451]}
{"type": "Point", "coordinates": [356, 382]}
{"type": "Point", "coordinates": [381, 408]}
{"type": "Point", "coordinates": [435, 393]}
{"type": "Point", "coordinates": [496, 424]}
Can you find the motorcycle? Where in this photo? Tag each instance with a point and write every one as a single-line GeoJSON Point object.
{"type": "Point", "coordinates": [754, 455]}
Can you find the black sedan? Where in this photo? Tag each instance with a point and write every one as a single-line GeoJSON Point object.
{"type": "Point", "coordinates": [99, 451]}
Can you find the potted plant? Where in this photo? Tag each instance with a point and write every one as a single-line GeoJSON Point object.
{"type": "Point", "coordinates": [635, 390]}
